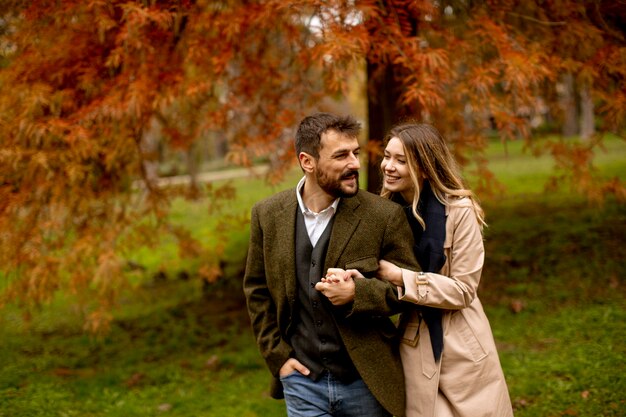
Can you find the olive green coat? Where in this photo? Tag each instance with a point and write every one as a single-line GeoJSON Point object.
{"type": "Point", "coordinates": [366, 228]}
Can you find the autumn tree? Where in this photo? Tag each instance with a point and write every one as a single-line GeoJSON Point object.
{"type": "Point", "coordinates": [86, 84]}
{"type": "Point", "coordinates": [586, 41]}
{"type": "Point", "coordinates": [467, 66]}
{"type": "Point", "coordinates": [89, 89]}
{"type": "Point", "coordinates": [457, 65]}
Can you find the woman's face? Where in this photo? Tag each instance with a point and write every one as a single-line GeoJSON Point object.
{"type": "Point", "coordinates": [395, 169]}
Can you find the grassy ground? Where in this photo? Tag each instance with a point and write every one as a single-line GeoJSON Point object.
{"type": "Point", "coordinates": [554, 290]}
{"type": "Point", "coordinates": [553, 287]}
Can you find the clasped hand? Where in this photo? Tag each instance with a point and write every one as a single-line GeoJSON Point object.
{"type": "Point", "coordinates": [338, 285]}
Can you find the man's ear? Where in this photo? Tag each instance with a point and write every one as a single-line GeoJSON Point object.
{"type": "Point", "coordinates": [307, 162]}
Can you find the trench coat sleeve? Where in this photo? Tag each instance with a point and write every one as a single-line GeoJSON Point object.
{"type": "Point", "coordinates": [261, 307]}
{"type": "Point", "coordinates": [376, 297]}
{"type": "Point", "coordinates": [455, 287]}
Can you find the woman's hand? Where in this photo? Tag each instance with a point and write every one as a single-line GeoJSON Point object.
{"type": "Point", "coordinates": [338, 286]}
{"type": "Point", "coordinates": [335, 275]}
{"type": "Point", "coordinates": [389, 272]}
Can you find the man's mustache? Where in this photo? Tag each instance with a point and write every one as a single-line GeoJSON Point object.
{"type": "Point", "coordinates": [350, 174]}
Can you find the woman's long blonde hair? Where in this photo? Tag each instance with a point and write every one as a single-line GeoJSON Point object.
{"type": "Point", "coordinates": [427, 153]}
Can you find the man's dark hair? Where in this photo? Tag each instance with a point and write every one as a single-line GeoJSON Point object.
{"type": "Point", "coordinates": [312, 127]}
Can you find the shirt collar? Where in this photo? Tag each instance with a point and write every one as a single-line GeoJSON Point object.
{"type": "Point", "coordinates": [304, 209]}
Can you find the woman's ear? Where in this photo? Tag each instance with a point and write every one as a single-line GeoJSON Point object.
{"type": "Point", "coordinates": [307, 162]}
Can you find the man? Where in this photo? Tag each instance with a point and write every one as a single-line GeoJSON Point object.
{"type": "Point", "coordinates": [332, 345]}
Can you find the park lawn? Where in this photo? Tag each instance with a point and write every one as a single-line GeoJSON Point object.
{"type": "Point", "coordinates": [521, 174]}
{"type": "Point", "coordinates": [553, 287]}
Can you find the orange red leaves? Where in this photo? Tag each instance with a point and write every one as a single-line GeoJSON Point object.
{"type": "Point", "coordinates": [84, 83]}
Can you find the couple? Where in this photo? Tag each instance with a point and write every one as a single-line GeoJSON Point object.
{"type": "Point", "coordinates": [329, 264]}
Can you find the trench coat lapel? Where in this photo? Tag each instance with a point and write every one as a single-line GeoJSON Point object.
{"type": "Point", "coordinates": [345, 224]}
{"type": "Point", "coordinates": [285, 238]}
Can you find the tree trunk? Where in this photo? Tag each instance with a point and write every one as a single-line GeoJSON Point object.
{"type": "Point", "coordinates": [384, 92]}
{"type": "Point", "coordinates": [220, 146]}
{"type": "Point", "coordinates": [587, 119]}
{"type": "Point", "coordinates": [192, 170]}
{"type": "Point", "coordinates": [568, 106]}
{"type": "Point", "coordinates": [381, 115]}
{"type": "Point", "coordinates": [149, 145]}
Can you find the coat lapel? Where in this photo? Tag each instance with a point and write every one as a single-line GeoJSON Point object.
{"type": "Point", "coordinates": [345, 223]}
{"type": "Point", "coordinates": [285, 239]}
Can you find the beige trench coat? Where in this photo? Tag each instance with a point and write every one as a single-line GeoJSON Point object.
{"type": "Point", "coordinates": [468, 380]}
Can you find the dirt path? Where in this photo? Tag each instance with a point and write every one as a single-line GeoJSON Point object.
{"type": "Point", "coordinates": [205, 177]}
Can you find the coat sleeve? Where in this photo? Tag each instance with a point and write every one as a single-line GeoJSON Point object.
{"type": "Point", "coordinates": [261, 306]}
{"type": "Point", "coordinates": [376, 297]}
{"type": "Point", "coordinates": [455, 287]}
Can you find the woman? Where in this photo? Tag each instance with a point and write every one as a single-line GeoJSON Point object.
{"type": "Point", "coordinates": [450, 361]}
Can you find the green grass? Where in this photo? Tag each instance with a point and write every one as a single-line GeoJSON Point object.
{"type": "Point", "coordinates": [524, 174]}
{"type": "Point", "coordinates": [553, 288]}
{"type": "Point", "coordinates": [194, 216]}
{"type": "Point", "coordinates": [563, 353]}
{"type": "Point", "coordinates": [180, 359]}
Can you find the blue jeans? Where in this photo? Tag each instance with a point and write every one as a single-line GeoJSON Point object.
{"type": "Point", "coordinates": [329, 397]}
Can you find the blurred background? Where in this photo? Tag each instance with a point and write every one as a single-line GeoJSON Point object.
{"type": "Point", "coordinates": [135, 136]}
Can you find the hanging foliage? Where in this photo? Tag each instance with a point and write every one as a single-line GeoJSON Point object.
{"type": "Point", "coordinates": [84, 83]}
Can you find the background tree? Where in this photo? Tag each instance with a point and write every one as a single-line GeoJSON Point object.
{"type": "Point", "coordinates": [458, 65]}
{"type": "Point", "coordinates": [90, 83]}
{"type": "Point", "coordinates": [499, 64]}
{"type": "Point", "coordinates": [585, 40]}
{"type": "Point", "coordinates": [92, 89]}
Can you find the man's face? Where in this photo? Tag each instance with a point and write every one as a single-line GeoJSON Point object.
{"type": "Point", "coordinates": [337, 169]}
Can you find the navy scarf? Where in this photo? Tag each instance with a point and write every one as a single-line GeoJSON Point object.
{"type": "Point", "coordinates": [428, 250]}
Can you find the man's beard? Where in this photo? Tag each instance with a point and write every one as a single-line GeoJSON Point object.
{"type": "Point", "coordinates": [334, 187]}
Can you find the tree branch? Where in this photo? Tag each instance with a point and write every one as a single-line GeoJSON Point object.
{"type": "Point", "coordinates": [532, 19]}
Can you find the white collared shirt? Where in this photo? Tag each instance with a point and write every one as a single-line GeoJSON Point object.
{"type": "Point", "coordinates": [315, 222]}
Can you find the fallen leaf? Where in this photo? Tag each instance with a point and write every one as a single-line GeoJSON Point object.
{"type": "Point", "coordinates": [164, 407]}
{"type": "Point", "coordinates": [68, 372]}
{"type": "Point", "coordinates": [135, 379]}
{"type": "Point", "coordinates": [516, 306]}
{"type": "Point", "coordinates": [520, 403]}
{"type": "Point", "coordinates": [585, 394]}
{"type": "Point", "coordinates": [64, 372]}
{"type": "Point", "coordinates": [212, 363]}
